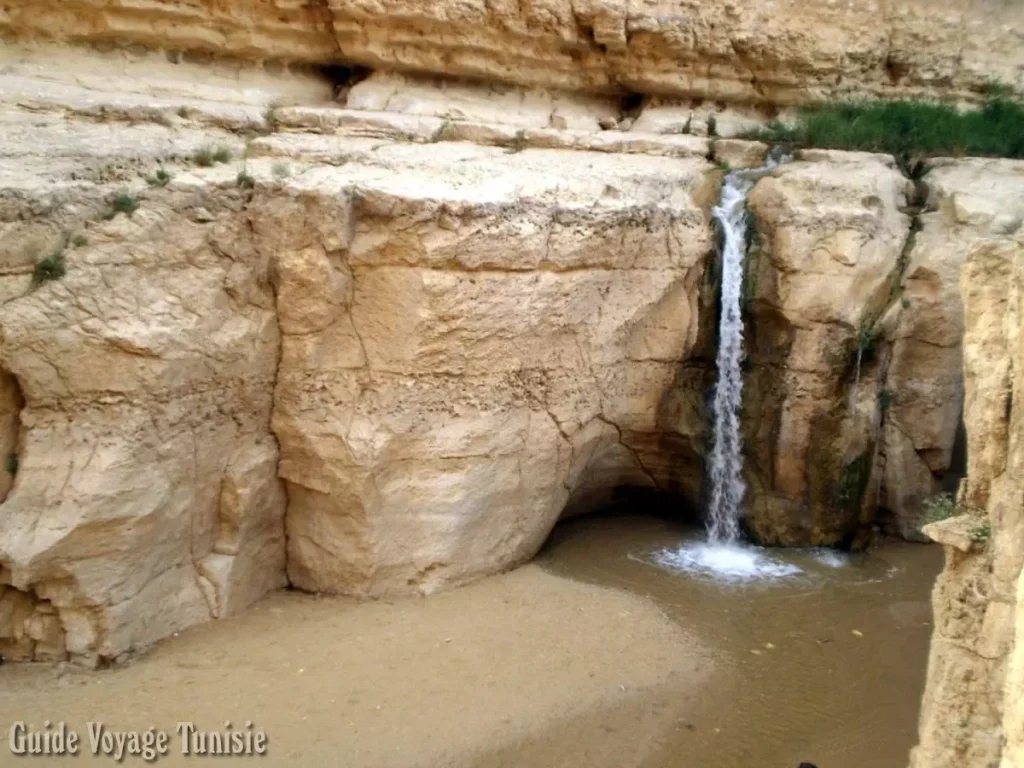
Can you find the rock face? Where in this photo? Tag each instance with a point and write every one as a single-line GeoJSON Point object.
{"type": "Point", "coordinates": [972, 710]}
{"type": "Point", "coordinates": [461, 347]}
{"type": "Point", "coordinates": [783, 52]}
{"type": "Point", "coordinates": [404, 354]}
{"type": "Point", "coordinates": [823, 272]}
{"type": "Point", "coordinates": [383, 346]}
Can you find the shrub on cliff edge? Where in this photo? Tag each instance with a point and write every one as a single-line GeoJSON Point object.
{"type": "Point", "coordinates": [907, 129]}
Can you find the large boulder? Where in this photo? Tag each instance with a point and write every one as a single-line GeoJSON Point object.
{"type": "Point", "coordinates": [821, 278]}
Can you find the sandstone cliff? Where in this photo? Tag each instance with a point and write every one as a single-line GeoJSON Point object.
{"type": "Point", "coordinates": [972, 710]}
{"type": "Point", "coordinates": [382, 346]}
{"type": "Point", "coordinates": [772, 52]}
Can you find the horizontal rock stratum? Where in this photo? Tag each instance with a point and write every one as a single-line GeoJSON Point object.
{"type": "Point", "coordinates": [771, 52]}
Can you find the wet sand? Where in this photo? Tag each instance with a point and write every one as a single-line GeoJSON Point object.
{"type": "Point", "coordinates": [592, 656]}
{"type": "Point", "coordinates": [526, 668]}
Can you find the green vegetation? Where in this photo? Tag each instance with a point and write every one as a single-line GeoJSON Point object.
{"type": "Point", "coordinates": [908, 129]}
{"type": "Point", "coordinates": [205, 157]}
{"type": "Point", "coordinates": [80, 241]}
{"type": "Point", "coordinates": [723, 165]}
{"type": "Point", "coordinates": [853, 481]}
{"type": "Point", "coordinates": [159, 179]}
{"type": "Point", "coordinates": [281, 170]}
{"type": "Point", "coordinates": [518, 143]}
{"type": "Point", "coordinates": [50, 268]}
{"type": "Point", "coordinates": [270, 116]}
{"type": "Point", "coordinates": [442, 133]}
{"type": "Point", "coordinates": [866, 338]}
{"type": "Point", "coordinates": [941, 506]}
{"type": "Point", "coordinates": [885, 399]}
{"type": "Point", "coordinates": [124, 203]}
{"type": "Point", "coordinates": [245, 181]}
{"type": "Point", "coordinates": [981, 533]}
{"type": "Point", "coordinates": [12, 464]}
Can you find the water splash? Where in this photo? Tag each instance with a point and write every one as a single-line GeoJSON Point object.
{"type": "Point", "coordinates": [726, 463]}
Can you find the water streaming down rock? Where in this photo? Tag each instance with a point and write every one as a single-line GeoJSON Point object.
{"type": "Point", "coordinates": [726, 464]}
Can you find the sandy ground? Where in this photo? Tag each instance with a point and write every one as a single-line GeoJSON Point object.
{"type": "Point", "coordinates": [524, 669]}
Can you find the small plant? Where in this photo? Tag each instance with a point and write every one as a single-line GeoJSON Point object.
{"type": "Point", "coordinates": [270, 116]}
{"type": "Point", "coordinates": [981, 533]}
{"type": "Point", "coordinates": [723, 165]}
{"type": "Point", "coordinates": [712, 125]}
{"type": "Point", "coordinates": [12, 464]}
{"type": "Point", "coordinates": [80, 241]}
{"type": "Point", "coordinates": [281, 170]}
{"type": "Point", "coordinates": [222, 155]}
{"type": "Point", "coordinates": [885, 399]}
{"type": "Point", "coordinates": [442, 133]}
{"type": "Point", "coordinates": [123, 203]}
{"type": "Point", "coordinates": [245, 181]}
{"type": "Point", "coordinates": [183, 113]}
{"type": "Point", "coordinates": [941, 506]}
{"type": "Point", "coordinates": [203, 157]}
{"type": "Point", "coordinates": [519, 142]}
{"type": "Point", "coordinates": [159, 179]}
{"type": "Point", "coordinates": [866, 342]}
{"type": "Point", "coordinates": [50, 268]}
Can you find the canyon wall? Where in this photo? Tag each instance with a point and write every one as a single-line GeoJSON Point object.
{"type": "Point", "coordinates": [771, 52]}
{"type": "Point", "coordinates": [376, 335]}
{"type": "Point", "coordinates": [362, 352]}
{"type": "Point", "coordinates": [974, 701]}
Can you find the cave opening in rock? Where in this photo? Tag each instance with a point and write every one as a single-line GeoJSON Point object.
{"type": "Point", "coordinates": [343, 77]}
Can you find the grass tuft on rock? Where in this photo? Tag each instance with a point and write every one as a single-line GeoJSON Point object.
{"type": "Point", "coordinates": [907, 129]}
{"type": "Point", "coordinates": [160, 178]}
{"type": "Point", "coordinates": [124, 203]}
{"type": "Point", "coordinates": [50, 268]}
{"type": "Point", "coordinates": [941, 506]}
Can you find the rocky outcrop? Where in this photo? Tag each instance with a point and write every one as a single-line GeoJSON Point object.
{"type": "Point", "coordinates": [925, 379]}
{"type": "Point", "coordinates": [466, 333]}
{"type": "Point", "coordinates": [971, 712]}
{"type": "Point", "coordinates": [823, 271]}
{"type": "Point", "coordinates": [756, 53]}
{"type": "Point", "coordinates": [405, 353]}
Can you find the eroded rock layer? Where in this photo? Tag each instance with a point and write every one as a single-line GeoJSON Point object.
{"type": "Point", "coordinates": [772, 52]}
{"type": "Point", "coordinates": [974, 701]}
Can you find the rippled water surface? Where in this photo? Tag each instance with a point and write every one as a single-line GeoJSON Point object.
{"type": "Point", "coordinates": [819, 656]}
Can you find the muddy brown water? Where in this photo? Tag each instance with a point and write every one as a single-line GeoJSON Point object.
{"type": "Point", "coordinates": [826, 667]}
{"type": "Point", "coordinates": [590, 657]}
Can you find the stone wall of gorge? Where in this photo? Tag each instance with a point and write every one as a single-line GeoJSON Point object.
{"type": "Point", "coordinates": [973, 706]}
{"type": "Point", "coordinates": [771, 52]}
{"type": "Point", "coordinates": [386, 345]}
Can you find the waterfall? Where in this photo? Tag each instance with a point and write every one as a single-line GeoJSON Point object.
{"type": "Point", "coordinates": [726, 464]}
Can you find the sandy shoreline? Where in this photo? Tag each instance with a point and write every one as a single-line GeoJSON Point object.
{"type": "Point", "coordinates": [523, 668]}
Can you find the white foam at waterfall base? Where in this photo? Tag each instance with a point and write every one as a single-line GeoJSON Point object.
{"type": "Point", "coordinates": [729, 562]}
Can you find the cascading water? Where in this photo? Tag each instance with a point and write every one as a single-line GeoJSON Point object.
{"type": "Point", "coordinates": [723, 554]}
{"type": "Point", "coordinates": [726, 464]}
